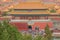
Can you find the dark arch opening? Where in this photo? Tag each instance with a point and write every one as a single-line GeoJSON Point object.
{"type": "Point", "coordinates": [29, 27]}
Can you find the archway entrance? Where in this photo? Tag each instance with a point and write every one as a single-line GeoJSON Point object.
{"type": "Point", "coordinates": [29, 27]}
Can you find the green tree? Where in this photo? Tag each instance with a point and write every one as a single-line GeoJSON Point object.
{"type": "Point", "coordinates": [53, 11]}
{"type": "Point", "coordinates": [48, 33]}
{"type": "Point", "coordinates": [27, 37]}
{"type": "Point", "coordinates": [38, 37]}
{"type": "Point", "coordinates": [9, 32]}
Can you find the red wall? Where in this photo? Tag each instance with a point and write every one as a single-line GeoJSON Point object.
{"type": "Point", "coordinates": [42, 25]}
{"type": "Point", "coordinates": [20, 25]}
{"type": "Point", "coordinates": [24, 25]}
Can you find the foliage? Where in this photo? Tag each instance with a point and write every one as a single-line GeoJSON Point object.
{"type": "Point", "coordinates": [48, 33]}
{"type": "Point", "coordinates": [38, 37]}
{"type": "Point", "coordinates": [9, 32]}
{"type": "Point", "coordinates": [27, 37]}
{"type": "Point", "coordinates": [53, 11]}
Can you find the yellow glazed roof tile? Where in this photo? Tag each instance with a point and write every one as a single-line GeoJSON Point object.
{"type": "Point", "coordinates": [30, 5]}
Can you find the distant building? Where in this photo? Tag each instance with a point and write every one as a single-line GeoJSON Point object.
{"type": "Point", "coordinates": [35, 14]}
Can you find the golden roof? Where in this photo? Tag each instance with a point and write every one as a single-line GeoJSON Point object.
{"type": "Point", "coordinates": [30, 5]}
